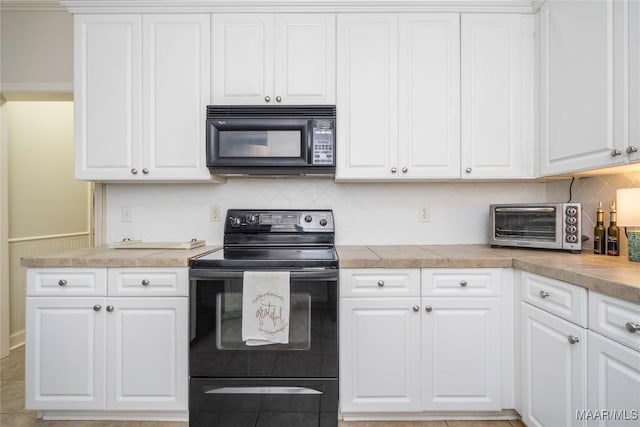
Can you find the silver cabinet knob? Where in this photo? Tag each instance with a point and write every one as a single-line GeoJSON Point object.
{"type": "Point", "coordinates": [405, 169]}
{"type": "Point", "coordinates": [544, 294]}
{"type": "Point", "coordinates": [62, 282]}
{"type": "Point", "coordinates": [267, 99]}
{"type": "Point", "coordinates": [616, 153]}
{"type": "Point", "coordinates": [134, 171]}
{"type": "Point", "coordinates": [416, 308]}
{"type": "Point", "coordinates": [381, 283]}
{"type": "Point", "coordinates": [97, 307]}
{"type": "Point", "coordinates": [394, 170]}
{"type": "Point", "coordinates": [468, 170]}
{"type": "Point", "coordinates": [145, 171]}
{"type": "Point", "coordinates": [110, 308]}
{"type": "Point", "coordinates": [632, 149]}
{"type": "Point", "coordinates": [145, 282]}
{"type": "Point", "coordinates": [573, 339]}
{"type": "Point", "coordinates": [632, 327]}
{"type": "Point", "coordinates": [278, 99]}
{"type": "Point", "coordinates": [463, 283]}
{"type": "Point", "coordinates": [428, 309]}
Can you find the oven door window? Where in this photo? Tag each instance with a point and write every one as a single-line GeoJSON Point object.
{"type": "Point", "coordinates": [229, 323]}
{"type": "Point", "coordinates": [537, 224]}
{"type": "Point", "coordinates": [217, 349]}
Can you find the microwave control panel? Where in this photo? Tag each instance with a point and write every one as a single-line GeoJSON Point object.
{"type": "Point", "coordinates": [323, 143]}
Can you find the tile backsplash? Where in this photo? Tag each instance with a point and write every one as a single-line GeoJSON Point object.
{"type": "Point", "coordinates": [589, 191]}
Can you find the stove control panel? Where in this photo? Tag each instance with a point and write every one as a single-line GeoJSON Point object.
{"type": "Point", "coordinates": [292, 221]}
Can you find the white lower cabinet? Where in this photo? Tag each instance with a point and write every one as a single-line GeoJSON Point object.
{"type": "Point", "coordinates": [410, 351]}
{"type": "Point", "coordinates": [553, 369]}
{"type": "Point", "coordinates": [106, 353]}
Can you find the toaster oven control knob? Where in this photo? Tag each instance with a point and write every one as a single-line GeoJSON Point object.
{"type": "Point", "coordinates": [571, 211]}
{"type": "Point", "coordinates": [323, 222]}
{"type": "Point", "coordinates": [572, 229]}
{"type": "Point", "coordinates": [308, 218]}
{"type": "Point", "coordinates": [572, 220]}
{"type": "Point", "coordinates": [234, 221]}
{"type": "Point", "coordinates": [572, 238]}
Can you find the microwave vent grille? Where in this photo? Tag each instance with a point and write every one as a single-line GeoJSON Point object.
{"type": "Point", "coordinates": [315, 111]}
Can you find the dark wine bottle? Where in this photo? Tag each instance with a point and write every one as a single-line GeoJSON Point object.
{"type": "Point", "coordinates": [599, 233]}
{"type": "Point", "coordinates": [613, 245]}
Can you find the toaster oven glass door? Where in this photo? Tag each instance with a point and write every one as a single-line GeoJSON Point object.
{"type": "Point", "coordinates": [531, 223]}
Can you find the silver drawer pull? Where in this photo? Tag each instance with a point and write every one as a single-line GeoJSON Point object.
{"type": "Point", "coordinates": [97, 307]}
{"type": "Point", "coordinates": [428, 309]}
{"type": "Point", "coordinates": [632, 327]}
{"type": "Point", "coordinates": [573, 339]}
{"type": "Point", "coordinates": [145, 282]}
{"type": "Point", "coordinates": [544, 294]}
{"type": "Point", "coordinates": [416, 308]}
{"type": "Point", "coordinates": [110, 308]}
{"type": "Point", "coordinates": [463, 283]}
{"type": "Point", "coordinates": [62, 282]}
{"type": "Point", "coordinates": [381, 283]}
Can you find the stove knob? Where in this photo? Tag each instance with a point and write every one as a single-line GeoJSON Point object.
{"type": "Point", "coordinates": [234, 221]}
{"type": "Point", "coordinates": [323, 222]}
{"type": "Point", "coordinates": [308, 218]}
{"type": "Point", "coordinates": [252, 218]}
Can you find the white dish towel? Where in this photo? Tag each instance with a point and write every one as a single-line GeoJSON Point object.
{"type": "Point", "coordinates": [265, 307]}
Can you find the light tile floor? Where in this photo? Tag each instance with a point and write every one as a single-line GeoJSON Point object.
{"type": "Point", "coordinates": [13, 414]}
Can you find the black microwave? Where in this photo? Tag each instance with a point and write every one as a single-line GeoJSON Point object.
{"type": "Point", "coordinates": [271, 140]}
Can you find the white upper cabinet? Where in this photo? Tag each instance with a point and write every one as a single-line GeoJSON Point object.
{"type": "Point", "coordinates": [398, 96]}
{"type": "Point", "coordinates": [632, 17]}
{"type": "Point", "coordinates": [583, 84]}
{"type": "Point", "coordinates": [497, 96]}
{"type": "Point", "coordinates": [271, 59]}
{"type": "Point", "coordinates": [141, 89]}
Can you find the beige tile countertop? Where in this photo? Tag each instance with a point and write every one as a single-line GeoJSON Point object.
{"type": "Point", "coordinates": [615, 276]}
{"type": "Point", "coordinates": [105, 257]}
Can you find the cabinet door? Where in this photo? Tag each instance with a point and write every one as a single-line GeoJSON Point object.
{"type": "Point", "coordinates": [65, 354]}
{"type": "Point", "coordinates": [107, 96]}
{"type": "Point", "coordinates": [367, 74]}
{"type": "Point", "coordinates": [175, 92]}
{"type": "Point", "coordinates": [493, 86]}
{"type": "Point", "coordinates": [461, 354]}
{"type": "Point", "coordinates": [379, 355]}
{"type": "Point", "coordinates": [305, 59]}
{"type": "Point", "coordinates": [577, 86]}
{"type": "Point", "coordinates": [147, 354]}
{"type": "Point", "coordinates": [614, 380]}
{"type": "Point", "coordinates": [429, 96]}
{"type": "Point", "coordinates": [242, 60]}
{"type": "Point", "coordinates": [553, 370]}
{"type": "Point", "coordinates": [633, 25]}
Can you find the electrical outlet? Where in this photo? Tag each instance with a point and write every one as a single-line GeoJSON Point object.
{"type": "Point", "coordinates": [126, 215]}
{"type": "Point", "coordinates": [215, 213]}
{"type": "Point", "coordinates": [424, 214]}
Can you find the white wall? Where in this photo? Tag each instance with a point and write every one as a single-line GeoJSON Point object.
{"type": "Point", "coordinates": [37, 51]}
{"type": "Point", "coordinates": [364, 213]}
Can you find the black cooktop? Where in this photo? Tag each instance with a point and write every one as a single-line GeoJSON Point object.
{"type": "Point", "coordinates": [269, 257]}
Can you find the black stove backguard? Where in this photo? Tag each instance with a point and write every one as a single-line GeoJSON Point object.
{"type": "Point", "coordinates": [294, 384]}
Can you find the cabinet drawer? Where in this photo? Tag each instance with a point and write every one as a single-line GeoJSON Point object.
{"type": "Point", "coordinates": [148, 281]}
{"type": "Point", "coordinates": [615, 319]}
{"type": "Point", "coordinates": [465, 281]}
{"type": "Point", "coordinates": [66, 281]}
{"type": "Point", "coordinates": [364, 282]}
{"type": "Point", "coordinates": [560, 298]}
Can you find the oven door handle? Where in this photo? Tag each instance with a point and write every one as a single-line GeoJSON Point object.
{"type": "Point", "coordinates": [305, 274]}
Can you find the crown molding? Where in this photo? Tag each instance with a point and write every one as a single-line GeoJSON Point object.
{"type": "Point", "coordinates": [31, 5]}
{"type": "Point", "coordinates": [208, 6]}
